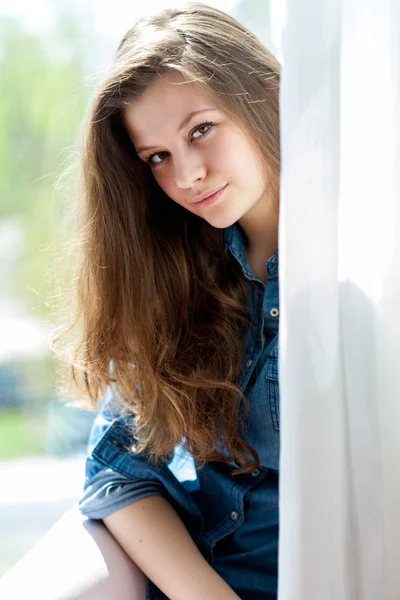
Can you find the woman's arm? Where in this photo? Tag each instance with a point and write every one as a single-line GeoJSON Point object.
{"type": "Point", "coordinates": [152, 534]}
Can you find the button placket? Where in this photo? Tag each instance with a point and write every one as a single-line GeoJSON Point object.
{"type": "Point", "coordinates": [272, 377]}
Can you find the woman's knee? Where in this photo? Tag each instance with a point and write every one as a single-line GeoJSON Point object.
{"type": "Point", "coordinates": [78, 559]}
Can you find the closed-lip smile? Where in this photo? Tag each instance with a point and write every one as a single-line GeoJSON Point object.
{"type": "Point", "coordinates": [205, 195]}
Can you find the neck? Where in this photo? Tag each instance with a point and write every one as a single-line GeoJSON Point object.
{"type": "Point", "coordinates": [261, 226]}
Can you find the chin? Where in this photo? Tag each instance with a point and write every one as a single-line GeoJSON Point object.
{"type": "Point", "coordinates": [220, 223]}
{"type": "Point", "coordinates": [223, 219]}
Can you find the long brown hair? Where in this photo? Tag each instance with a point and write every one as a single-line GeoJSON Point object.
{"type": "Point", "coordinates": [158, 307]}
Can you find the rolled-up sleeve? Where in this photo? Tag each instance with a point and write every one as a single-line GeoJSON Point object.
{"type": "Point", "coordinates": [117, 475]}
{"type": "Point", "coordinates": [109, 491]}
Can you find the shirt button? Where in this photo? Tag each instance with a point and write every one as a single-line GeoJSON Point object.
{"type": "Point", "coordinates": [274, 312]}
{"type": "Point", "coordinates": [256, 473]}
{"type": "Point", "coordinates": [234, 515]}
{"type": "Point", "coordinates": [275, 259]}
{"type": "Point", "coordinates": [249, 363]}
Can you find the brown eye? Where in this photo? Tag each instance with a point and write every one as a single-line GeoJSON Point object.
{"type": "Point", "coordinates": [199, 127]}
{"type": "Point", "coordinates": [151, 162]}
{"type": "Point", "coordinates": [207, 126]}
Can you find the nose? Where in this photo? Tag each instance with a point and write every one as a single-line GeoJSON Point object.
{"type": "Point", "coordinates": [189, 168]}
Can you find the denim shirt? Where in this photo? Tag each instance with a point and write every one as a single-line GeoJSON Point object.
{"type": "Point", "coordinates": [232, 519]}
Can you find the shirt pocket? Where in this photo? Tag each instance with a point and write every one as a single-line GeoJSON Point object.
{"type": "Point", "coordinates": [272, 377]}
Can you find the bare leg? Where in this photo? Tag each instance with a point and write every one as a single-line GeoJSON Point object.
{"type": "Point", "coordinates": [78, 559]}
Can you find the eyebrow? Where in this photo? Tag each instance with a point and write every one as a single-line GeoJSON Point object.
{"type": "Point", "coordinates": [185, 121]}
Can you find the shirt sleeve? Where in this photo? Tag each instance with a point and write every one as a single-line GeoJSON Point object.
{"type": "Point", "coordinates": [109, 491]}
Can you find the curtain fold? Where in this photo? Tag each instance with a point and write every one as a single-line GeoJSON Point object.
{"type": "Point", "coordinates": [340, 301]}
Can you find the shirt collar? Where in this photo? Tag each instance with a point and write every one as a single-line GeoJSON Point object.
{"type": "Point", "coordinates": [234, 242]}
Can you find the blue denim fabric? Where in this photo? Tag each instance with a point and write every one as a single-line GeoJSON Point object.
{"type": "Point", "coordinates": [232, 519]}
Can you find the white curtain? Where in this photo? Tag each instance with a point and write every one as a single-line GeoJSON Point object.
{"type": "Point", "coordinates": [340, 301]}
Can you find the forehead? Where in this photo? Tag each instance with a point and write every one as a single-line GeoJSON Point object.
{"type": "Point", "coordinates": [158, 112]}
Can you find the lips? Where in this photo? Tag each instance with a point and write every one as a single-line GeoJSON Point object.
{"type": "Point", "coordinates": [207, 194]}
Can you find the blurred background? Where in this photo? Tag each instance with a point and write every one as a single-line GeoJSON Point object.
{"type": "Point", "coordinates": [52, 55]}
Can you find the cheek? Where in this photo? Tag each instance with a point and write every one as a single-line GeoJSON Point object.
{"type": "Point", "coordinates": [223, 152]}
{"type": "Point", "coordinates": [245, 160]}
{"type": "Point", "coordinates": [233, 154]}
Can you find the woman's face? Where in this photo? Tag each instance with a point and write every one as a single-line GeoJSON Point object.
{"type": "Point", "coordinates": [191, 154]}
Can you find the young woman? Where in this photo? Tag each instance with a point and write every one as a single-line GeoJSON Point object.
{"type": "Point", "coordinates": [175, 338]}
